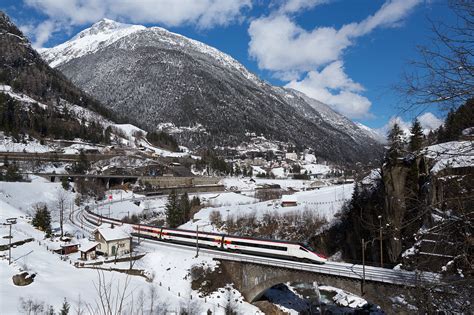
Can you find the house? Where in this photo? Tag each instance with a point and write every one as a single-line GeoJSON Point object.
{"type": "Point", "coordinates": [88, 249]}
{"type": "Point", "coordinates": [289, 201]}
{"type": "Point", "coordinates": [65, 247]}
{"type": "Point", "coordinates": [113, 240]}
{"type": "Point", "coordinates": [291, 156]}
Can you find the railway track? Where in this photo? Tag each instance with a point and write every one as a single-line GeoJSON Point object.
{"type": "Point", "coordinates": [338, 269]}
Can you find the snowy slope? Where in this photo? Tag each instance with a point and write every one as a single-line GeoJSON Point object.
{"type": "Point", "coordinates": [104, 33]}
{"type": "Point", "coordinates": [324, 202]}
{"type": "Point", "coordinates": [374, 134]}
{"type": "Point", "coordinates": [57, 279]}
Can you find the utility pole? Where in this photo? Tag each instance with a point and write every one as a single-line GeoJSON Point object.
{"type": "Point", "coordinates": [139, 231]}
{"type": "Point", "coordinates": [10, 245]}
{"type": "Point", "coordinates": [197, 241]}
{"type": "Point", "coordinates": [363, 267]}
{"type": "Point", "coordinates": [380, 236]}
{"type": "Point", "coordinates": [10, 222]}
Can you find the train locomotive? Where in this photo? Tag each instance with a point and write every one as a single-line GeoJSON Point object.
{"type": "Point", "coordinates": [246, 245]}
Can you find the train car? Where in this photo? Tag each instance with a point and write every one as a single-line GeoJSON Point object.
{"type": "Point", "coordinates": [189, 237]}
{"type": "Point", "coordinates": [247, 245]}
{"type": "Point", "coordinates": [271, 248]}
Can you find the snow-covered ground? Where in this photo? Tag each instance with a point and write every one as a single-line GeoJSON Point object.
{"type": "Point", "coordinates": [452, 154]}
{"type": "Point", "coordinates": [246, 183]}
{"type": "Point", "coordinates": [325, 202]}
{"type": "Point", "coordinates": [32, 146]}
{"type": "Point", "coordinates": [57, 279]}
{"type": "Point", "coordinates": [24, 195]}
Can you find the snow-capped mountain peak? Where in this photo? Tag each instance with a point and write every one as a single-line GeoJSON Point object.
{"type": "Point", "coordinates": [374, 134]}
{"type": "Point", "coordinates": [100, 35]}
{"type": "Point", "coordinates": [103, 26]}
{"type": "Point", "coordinates": [169, 78]}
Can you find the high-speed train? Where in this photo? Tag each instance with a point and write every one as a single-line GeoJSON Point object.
{"type": "Point", "coordinates": [247, 245]}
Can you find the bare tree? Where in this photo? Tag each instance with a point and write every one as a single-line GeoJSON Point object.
{"type": "Point", "coordinates": [61, 202]}
{"type": "Point", "coordinates": [79, 308]}
{"type": "Point", "coordinates": [31, 307]}
{"type": "Point", "coordinates": [444, 74]}
{"type": "Point", "coordinates": [111, 295]}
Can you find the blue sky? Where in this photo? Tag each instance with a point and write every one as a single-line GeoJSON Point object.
{"type": "Point", "coordinates": [346, 53]}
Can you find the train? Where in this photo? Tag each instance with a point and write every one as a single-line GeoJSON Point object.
{"type": "Point", "coordinates": [246, 245]}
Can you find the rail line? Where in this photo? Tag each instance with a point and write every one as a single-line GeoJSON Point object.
{"type": "Point", "coordinates": [337, 269]}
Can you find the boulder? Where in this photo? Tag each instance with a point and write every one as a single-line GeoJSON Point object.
{"type": "Point", "coordinates": [23, 278]}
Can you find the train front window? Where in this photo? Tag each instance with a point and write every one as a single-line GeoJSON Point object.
{"type": "Point", "coordinates": [307, 247]}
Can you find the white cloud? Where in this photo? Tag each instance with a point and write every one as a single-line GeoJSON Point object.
{"type": "Point", "coordinates": [43, 32]}
{"type": "Point", "coordinates": [201, 13]}
{"type": "Point", "coordinates": [332, 86]}
{"type": "Point", "coordinates": [278, 44]}
{"type": "Point", "coordinates": [291, 6]}
{"type": "Point", "coordinates": [427, 120]}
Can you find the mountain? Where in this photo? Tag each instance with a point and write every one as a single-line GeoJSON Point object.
{"type": "Point", "coordinates": [373, 133]}
{"type": "Point", "coordinates": [23, 68]}
{"type": "Point", "coordinates": [155, 77]}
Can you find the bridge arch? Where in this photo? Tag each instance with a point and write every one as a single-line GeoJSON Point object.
{"type": "Point", "coordinates": [252, 280]}
{"type": "Point", "coordinates": [255, 293]}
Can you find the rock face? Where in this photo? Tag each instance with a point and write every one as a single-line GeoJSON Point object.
{"type": "Point", "coordinates": [153, 76]}
{"type": "Point", "coordinates": [23, 279]}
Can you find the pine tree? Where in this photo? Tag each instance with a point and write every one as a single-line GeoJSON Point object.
{"type": "Point", "coordinates": [81, 166]}
{"type": "Point", "coordinates": [396, 143]}
{"type": "Point", "coordinates": [416, 138]}
{"type": "Point", "coordinates": [65, 308]}
{"type": "Point", "coordinates": [42, 219]}
{"type": "Point", "coordinates": [13, 173]}
{"type": "Point", "coordinates": [185, 208]}
{"type": "Point", "coordinates": [65, 183]}
{"type": "Point", "coordinates": [172, 210]}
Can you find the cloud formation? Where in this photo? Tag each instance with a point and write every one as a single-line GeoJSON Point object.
{"type": "Point", "coordinates": [278, 44]}
{"type": "Point", "coordinates": [201, 13]}
{"type": "Point", "coordinates": [332, 86]}
{"type": "Point", "coordinates": [292, 6]}
{"type": "Point", "coordinates": [428, 122]}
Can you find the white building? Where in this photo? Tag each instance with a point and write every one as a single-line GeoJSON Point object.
{"type": "Point", "coordinates": [291, 156]}
{"type": "Point", "coordinates": [113, 240]}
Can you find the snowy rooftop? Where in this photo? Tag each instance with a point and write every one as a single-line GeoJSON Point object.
{"type": "Point", "coordinates": [115, 233]}
{"type": "Point", "coordinates": [87, 246]}
{"type": "Point", "coordinates": [289, 198]}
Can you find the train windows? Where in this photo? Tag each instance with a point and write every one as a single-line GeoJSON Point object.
{"type": "Point", "coordinates": [259, 245]}
{"type": "Point", "coordinates": [201, 238]}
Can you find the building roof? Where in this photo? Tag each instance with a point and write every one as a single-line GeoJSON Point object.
{"type": "Point", "coordinates": [112, 234]}
{"type": "Point", "coordinates": [87, 246]}
{"type": "Point", "coordinates": [289, 198]}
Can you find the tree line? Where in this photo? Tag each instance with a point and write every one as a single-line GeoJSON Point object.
{"type": "Point", "coordinates": [17, 121]}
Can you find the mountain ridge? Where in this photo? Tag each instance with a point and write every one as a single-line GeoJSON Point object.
{"type": "Point", "coordinates": [167, 77]}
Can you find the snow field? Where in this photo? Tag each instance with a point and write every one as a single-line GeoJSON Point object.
{"type": "Point", "coordinates": [57, 279]}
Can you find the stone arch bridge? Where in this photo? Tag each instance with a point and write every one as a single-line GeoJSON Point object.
{"type": "Point", "coordinates": [253, 279]}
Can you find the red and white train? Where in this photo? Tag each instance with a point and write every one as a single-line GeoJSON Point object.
{"type": "Point", "coordinates": [247, 245]}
